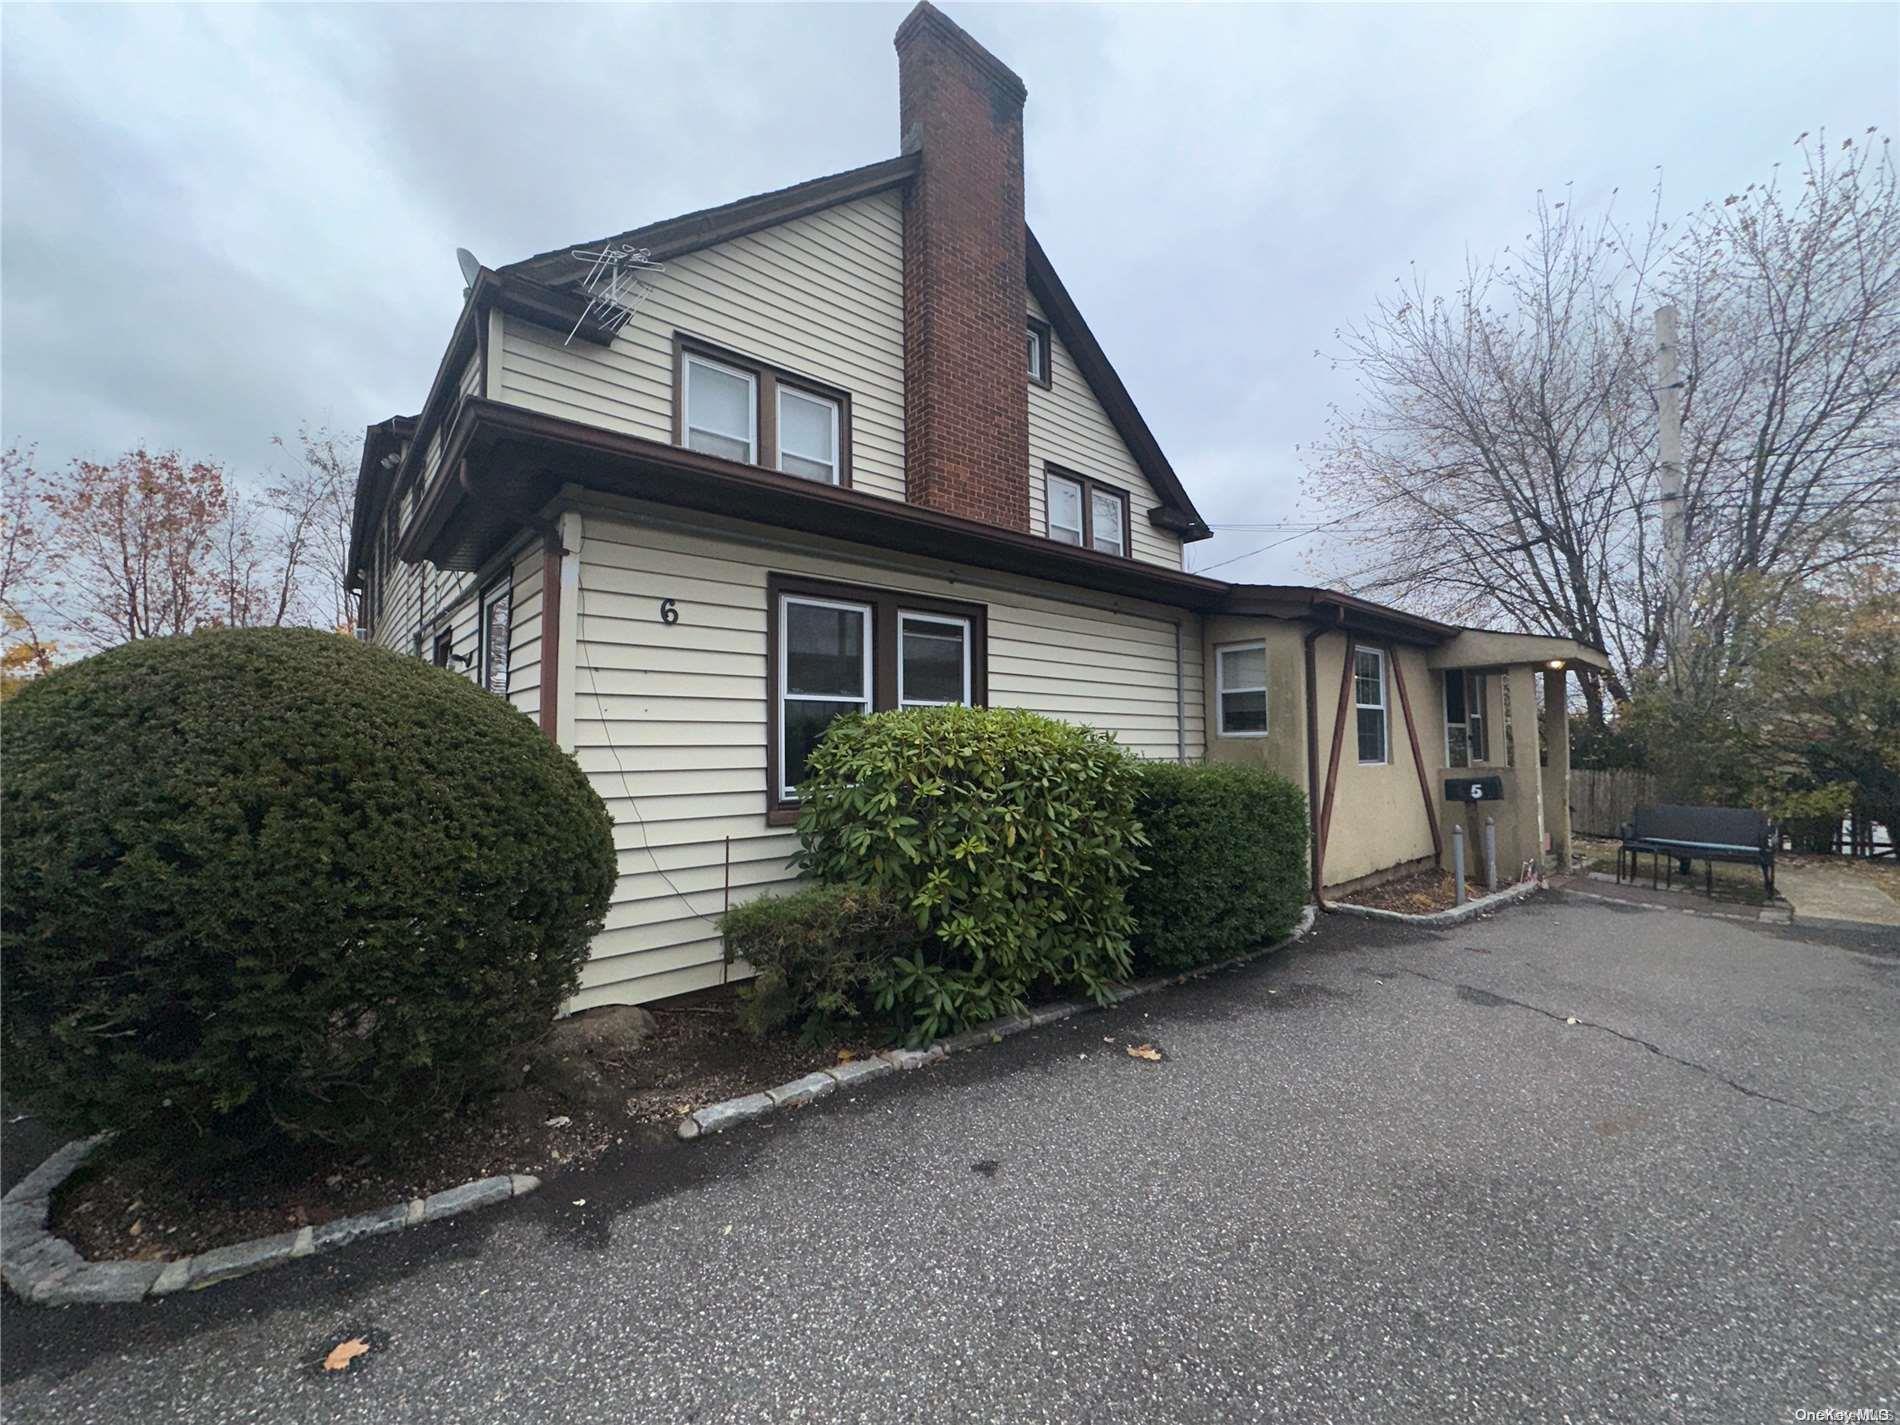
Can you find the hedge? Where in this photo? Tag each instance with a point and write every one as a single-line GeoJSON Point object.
{"type": "Point", "coordinates": [1226, 863]}
{"type": "Point", "coordinates": [278, 886]}
{"type": "Point", "coordinates": [819, 957]}
{"type": "Point", "coordinates": [1010, 837]}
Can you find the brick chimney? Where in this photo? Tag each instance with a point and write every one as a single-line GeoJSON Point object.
{"type": "Point", "coordinates": [966, 386]}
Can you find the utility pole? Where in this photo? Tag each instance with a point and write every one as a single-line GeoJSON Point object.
{"type": "Point", "coordinates": [1669, 426]}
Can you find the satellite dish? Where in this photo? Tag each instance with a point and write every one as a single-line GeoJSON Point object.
{"type": "Point", "coordinates": [471, 267]}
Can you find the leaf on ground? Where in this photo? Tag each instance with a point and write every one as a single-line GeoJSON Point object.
{"type": "Point", "coordinates": [1144, 1051]}
{"type": "Point", "coordinates": [344, 1352]}
{"type": "Point", "coordinates": [845, 1056]}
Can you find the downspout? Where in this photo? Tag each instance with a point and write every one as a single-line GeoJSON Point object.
{"type": "Point", "coordinates": [1312, 761]}
{"type": "Point", "coordinates": [1180, 698]}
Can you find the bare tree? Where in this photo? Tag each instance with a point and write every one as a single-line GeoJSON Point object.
{"type": "Point", "coordinates": [1501, 465]}
{"type": "Point", "coordinates": [313, 503]}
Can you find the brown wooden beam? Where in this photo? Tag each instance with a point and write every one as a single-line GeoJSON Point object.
{"type": "Point", "coordinates": [1332, 769]}
{"type": "Point", "coordinates": [1312, 764]}
{"type": "Point", "coordinates": [1411, 735]}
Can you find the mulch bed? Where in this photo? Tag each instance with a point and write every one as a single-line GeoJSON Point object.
{"type": "Point", "coordinates": [1419, 894]}
{"type": "Point", "coordinates": [120, 1207]}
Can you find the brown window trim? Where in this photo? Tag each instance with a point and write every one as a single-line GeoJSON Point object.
{"type": "Point", "coordinates": [768, 378]}
{"type": "Point", "coordinates": [1090, 487]}
{"type": "Point", "coordinates": [885, 605]}
{"type": "Point", "coordinates": [444, 647]}
{"type": "Point", "coordinates": [1047, 333]}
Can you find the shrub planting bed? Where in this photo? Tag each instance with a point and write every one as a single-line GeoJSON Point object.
{"type": "Point", "coordinates": [1420, 894]}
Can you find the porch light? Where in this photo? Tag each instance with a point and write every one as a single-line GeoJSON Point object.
{"type": "Point", "coordinates": [1557, 663]}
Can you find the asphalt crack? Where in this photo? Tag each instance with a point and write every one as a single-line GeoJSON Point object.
{"type": "Point", "coordinates": [1492, 997]}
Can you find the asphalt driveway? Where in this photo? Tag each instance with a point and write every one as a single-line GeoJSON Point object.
{"type": "Point", "coordinates": [1380, 1177]}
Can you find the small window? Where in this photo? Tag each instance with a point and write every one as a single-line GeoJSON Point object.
{"type": "Point", "coordinates": [444, 646]}
{"type": "Point", "coordinates": [933, 660]}
{"type": "Point", "coordinates": [1039, 352]}
{"type": "Point", "coordinates": [807, 436]}
{"type": "Point", "coordinates": [497, 615]}
{"type": "Point", "coordinates": [1466, 742]}
{"type": "Point", "coordinates": [1369, 697]}
{"type": "Point", "coordinates": [824, 673]}
{"type": "Point", "coordinates": [1065, 510]}
{"type": "Point", "coordinates": [1105, 521]}
{"type": "Point", "coordinates": [721, 409]}
{"type": "Point", "coordinates": [1240, 678]}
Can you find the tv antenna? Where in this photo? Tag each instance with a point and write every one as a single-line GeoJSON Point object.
{"type": "Point", "coordinates": [615, 284]}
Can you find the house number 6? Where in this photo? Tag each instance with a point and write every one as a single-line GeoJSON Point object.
{"type": "Point", "coordinates": [668, 613]}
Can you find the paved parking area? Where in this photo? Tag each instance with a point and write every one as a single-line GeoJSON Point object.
{"type": "Point", "coordinates": [1579, 1162]}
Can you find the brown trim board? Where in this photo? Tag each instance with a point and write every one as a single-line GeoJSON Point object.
{"type": "Point", "coordinates": [552, 553]}
{"type": "Point", "coordinates": [1332, 767]}
{"type": "Point", "coordinates": [1418, 761]}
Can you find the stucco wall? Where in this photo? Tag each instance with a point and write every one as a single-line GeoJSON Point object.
{"type": "Point", "coordinates": [1283, 749]}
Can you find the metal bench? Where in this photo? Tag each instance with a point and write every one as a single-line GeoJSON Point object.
{"type": "Point", "coordinates": [1684, 835]}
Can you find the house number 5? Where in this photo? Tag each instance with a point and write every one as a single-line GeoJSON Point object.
{"type": "Point", "coordinates": [668, 613]}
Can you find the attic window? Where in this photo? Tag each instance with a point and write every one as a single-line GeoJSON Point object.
{"type": "Point", "coordinates": [722, 411]}
{"type": "Point", "coordinates": [1078, 510]}
{"type": "Point", "coordinates": [1039, 352]}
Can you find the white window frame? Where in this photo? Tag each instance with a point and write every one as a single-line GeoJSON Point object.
{"type": "Point", "coordinates": [1119, 500]}
{"type": "Point", "coordinates": [1039, 366]}
{"type": "Point", "coordinates": [785, 695]}
{"type": "Point", "coordinates": [1221, 650]}
{"type": "Point", "coordinates": [1049, 480]}
{"type": "Point", "coordinates": [1385, 716]}
{"type": "Point", "coordinates": [904, 616]}
{"type": "Point", "coordinates": [830, 404]}
{"type": "Point", "coordinates": [502, 591]}
{"type": "Point", "coordinates": [751, 380]}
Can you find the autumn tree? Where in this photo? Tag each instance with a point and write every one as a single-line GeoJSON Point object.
{"type": "Point", "coordinates": [151, 543]}
{"type": "Point", "coordinates": [1500, 465]}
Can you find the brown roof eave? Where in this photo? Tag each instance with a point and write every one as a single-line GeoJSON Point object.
{"type": "Point", "coordinates": [1177, 511]}
{"type": "Point", "coordinates": [530, 456]}
{"type": "Point", "coordinates": [378, 441]}
{"type": "Point", "coordinates": [675, 237]}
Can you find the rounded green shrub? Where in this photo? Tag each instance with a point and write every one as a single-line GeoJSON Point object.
{"type": "Point", "coordinates": [1226, 863]}
{"type": "Point", "coordinates": [1011, 838]}
{"type": "Point", "coordinates": [818, 958]}
{"type": "Point", "coordinates": [277, 886]}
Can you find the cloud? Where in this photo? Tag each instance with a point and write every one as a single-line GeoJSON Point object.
{"type": "Point", "coordinates": [218, 222]}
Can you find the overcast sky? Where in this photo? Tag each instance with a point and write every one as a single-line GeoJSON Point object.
{"type": "Point", "coordinates": [218, 223]}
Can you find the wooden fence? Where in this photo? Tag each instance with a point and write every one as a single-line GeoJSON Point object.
{"type": "Point", "coordinates": [1602, 801]}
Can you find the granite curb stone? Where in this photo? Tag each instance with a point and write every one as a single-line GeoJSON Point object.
{"type": "Point", "coordinates": [720, 1116]}
{"type": "Point", "coordinates": [45, 1269]}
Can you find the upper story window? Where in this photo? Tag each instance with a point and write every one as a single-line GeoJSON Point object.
{"type": "Point", "coordinates": [1466, 739]}
{"type": "Point", "coordinates": [1039, 347]}
{"type": "Point", "coordinates": [739, 408]}
{"type": "Point", "coordinates": [722, 409]}
{"type": "Point", "coordinates": [1240, 682]}
{"type": "Point", "coordinates": [807, 435]}
{"type": "Point", "coordinates": [1368, 681]}
{"type": "Point", "coordinates": [1078, 510]}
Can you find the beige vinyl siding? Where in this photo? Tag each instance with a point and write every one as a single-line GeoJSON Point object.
{"type": "Point", "coordinates": [822, 296]}
{"type": "Point", "coordinates": [671, 719]}
{"type": "Point", "coordinates": [1068, 425]}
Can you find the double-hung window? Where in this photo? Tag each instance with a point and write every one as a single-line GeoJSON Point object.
{"type": "Point", "coordinates": [1078, 510]}
{"type": "Point", "coordinates": [1368, 679]}
{"type": "Point", "coordinates": [722, 409]}
{"type": "Point", "coordinates": [836, 649]}
{"type": "Point", "coordinates": [1240, 682]}
{"type": "Point", "coordinates": [1466, 739]}
{"type": "Point", "coordinates": [497, 615]}
{"type": "Point", "coordinates": [739, 408]}
{"type": "Point", "coordinates": [824, 672]}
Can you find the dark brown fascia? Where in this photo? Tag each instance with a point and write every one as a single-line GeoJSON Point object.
{"type": "Point", "coordinates": [517, 296]}
{"type": "Point", "coordinates": [379, 440]}
{"type": "Point", "coordinates": [1176, 513]}
{"type": "Point", "coordinates": [1334, 610]}
{"type": "Point", "coordinates": [501, 461]}
{"type": "Point", "coordinates": [675, 237]}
